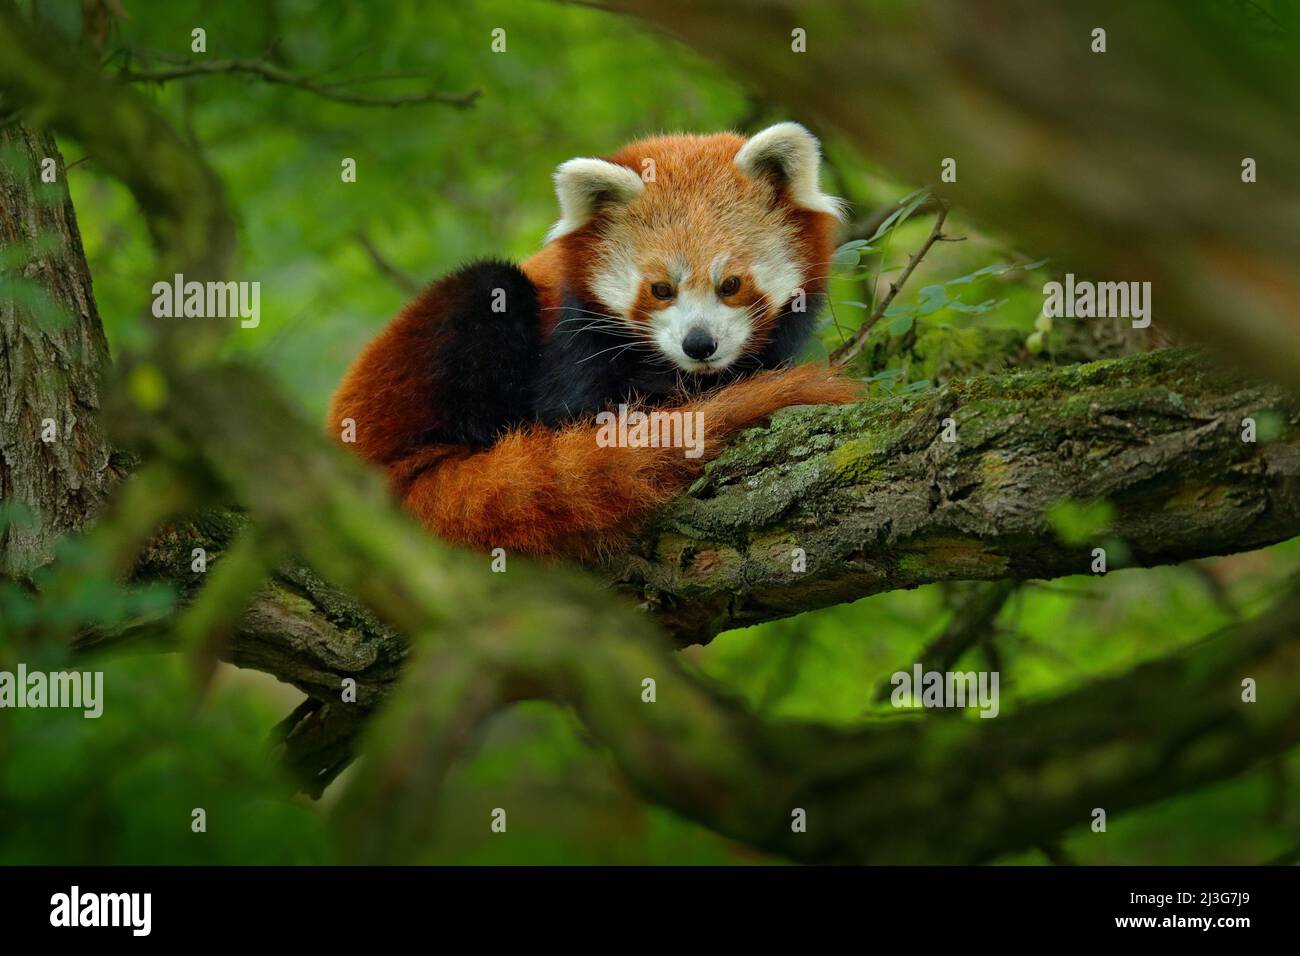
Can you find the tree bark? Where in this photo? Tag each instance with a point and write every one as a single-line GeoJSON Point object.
{"type": "Point", "coordinates": [916, 791]}
{"type": "Point", "coordinates": [55, 460]}
{"type": "Point", "coordinates": [873, 498]}
{"type": "Point", "coordinates": [877, 501]}
{"type": "Point", "coordinates": [935, 790]}
{"type": "Point", "coordinates": [1157, 427]}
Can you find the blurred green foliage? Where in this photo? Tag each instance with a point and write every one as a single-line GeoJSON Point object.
{"type": "Point", "coordinates": [437, 186]}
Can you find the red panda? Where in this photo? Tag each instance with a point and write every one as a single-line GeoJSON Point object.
{"type": "Point", "coordinates": [685, 272]}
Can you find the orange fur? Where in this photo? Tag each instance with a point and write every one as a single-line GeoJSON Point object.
{"type": "Point", "coordinates": [385, 390]}
{"type": "Point", "coordinates": [544, 491]}
{"type": "Point", "coordinates": [698, 203]}
{"type": "Point", "coordinates": [556, 491]}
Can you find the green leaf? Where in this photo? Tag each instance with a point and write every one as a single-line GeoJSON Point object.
{"type": "Point", "coordinates": [996, 269]}
{"type": "Point", "coordinates": [889, 373]}
{"type": "Point", "coordinates": [933, 298]}
{"type": "Point", "coordinates": [901, 325]}
{"type": "Point", "coordinates": [988, 305]}
{"type": "Point", "coordinates": [907, 205]}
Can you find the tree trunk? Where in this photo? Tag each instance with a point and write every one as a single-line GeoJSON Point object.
{"type": "Point", "coordinates": [55, 460]}
{"type": "Point", "coordinates": [1157, 436]}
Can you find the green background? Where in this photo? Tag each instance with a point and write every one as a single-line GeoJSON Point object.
{"type": "Point", "coordinates": [438, 186]}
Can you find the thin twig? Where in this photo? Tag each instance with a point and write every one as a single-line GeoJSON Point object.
{"type": "Point", "coordinates": [401, 279]}
{"type": "Point", "coordinates": [854, 345]}
{"type": "Point", "coordinates": [273, 74]}
{"type": "Point", "coordinates": [867, 225]}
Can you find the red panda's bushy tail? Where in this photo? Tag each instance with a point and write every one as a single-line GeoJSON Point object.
{"type": "Point", "coordinates": [547, 491]}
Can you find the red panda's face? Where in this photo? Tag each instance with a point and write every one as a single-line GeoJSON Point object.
{"type": "Point", "coordinates": [698, 244]}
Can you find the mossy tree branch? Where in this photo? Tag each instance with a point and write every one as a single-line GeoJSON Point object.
{"type": "Point", "coordinates": [878, 501]}
{"type": "Point", "coordinates": [875, 499]}
{"type": "Point", "coordinates": [916, 790]}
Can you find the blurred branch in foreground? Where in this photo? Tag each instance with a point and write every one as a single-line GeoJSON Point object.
{"type": "Point", "coordinates": [873, 494]}
{"type": "Point", "coordinates": [877, 501]}
{"type": "Point", "coordinates": [1124, 162]}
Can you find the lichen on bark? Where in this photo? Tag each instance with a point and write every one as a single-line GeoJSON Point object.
{"type": "Point", "coordinates": [876, 499]}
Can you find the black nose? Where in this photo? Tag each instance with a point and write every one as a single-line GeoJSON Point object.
{"type": "Point", "coordinates": [699, 344]}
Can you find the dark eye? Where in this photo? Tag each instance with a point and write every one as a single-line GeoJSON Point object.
{"type": "Point", "coordinates": [662, 290]}
{"type": "Point", "coordinates": [730, 286]}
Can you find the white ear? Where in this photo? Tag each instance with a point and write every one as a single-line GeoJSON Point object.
{"type": "Point", "coordinates": [789, 155]}
{"type": "Point", "coordinates": [585, 185]}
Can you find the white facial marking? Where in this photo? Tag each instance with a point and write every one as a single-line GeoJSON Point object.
{"type": "Point", "coordinates": [778, 276]}
{"type": "Point", "coordinates": [718, 269]}
{"type": "Point", "coordinates": [616, 281]}
{"type": "Point", "coordinates": [729, 326]}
